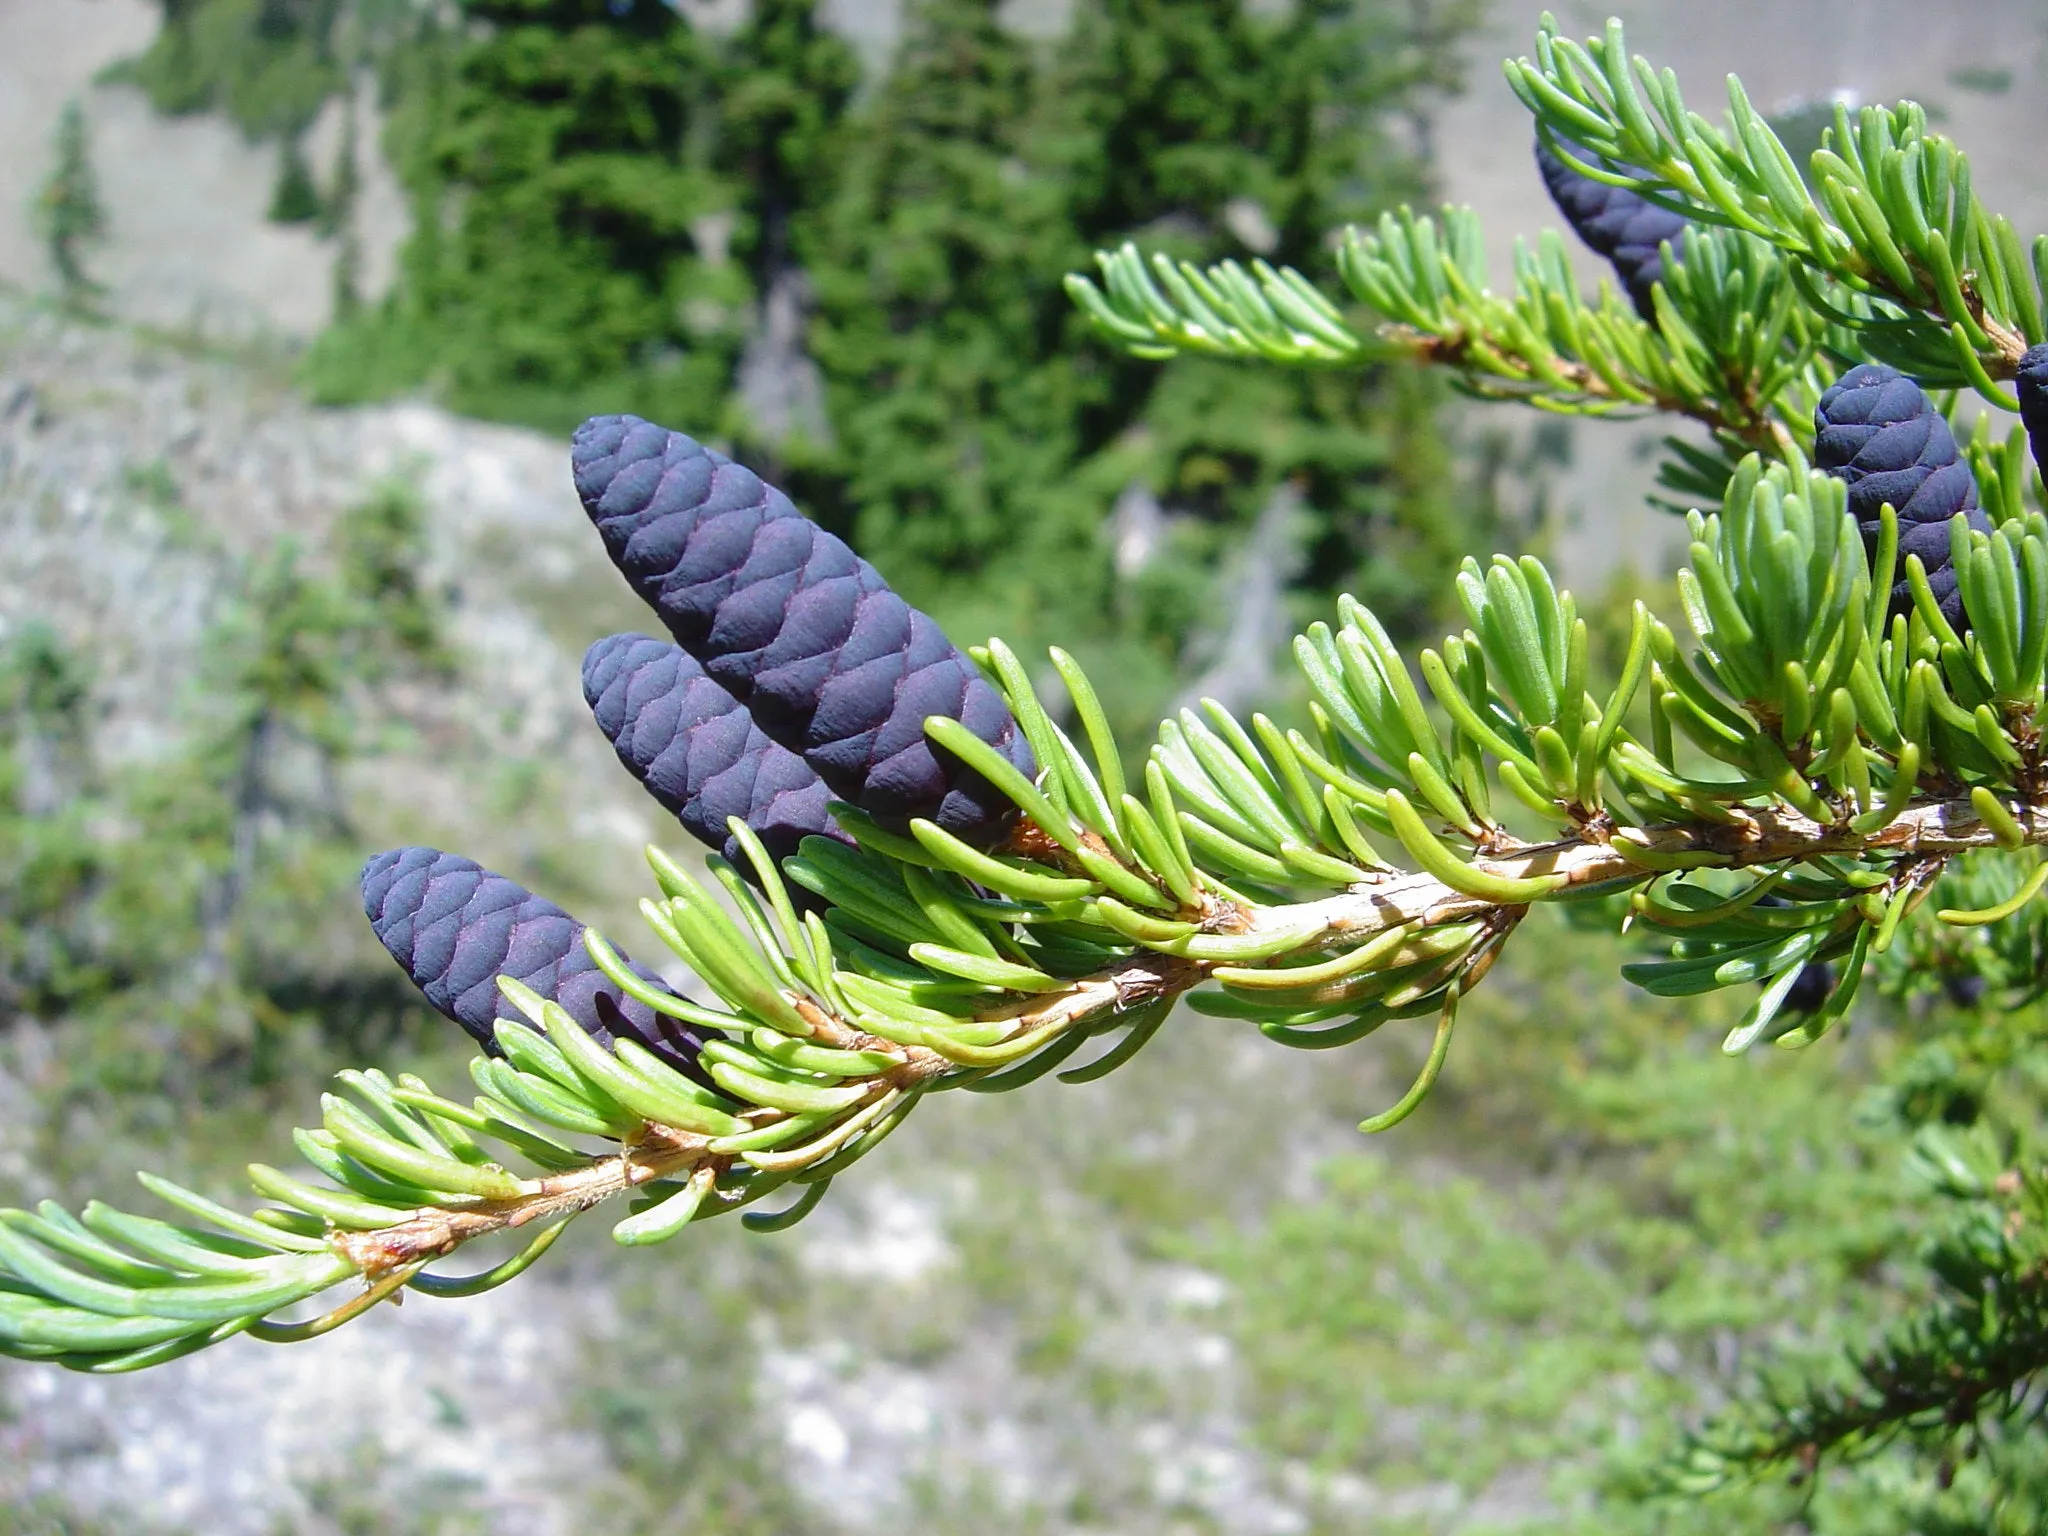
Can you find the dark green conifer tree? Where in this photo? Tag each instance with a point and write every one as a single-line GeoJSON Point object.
{"type": "Point", "coordinates": [69, 211]}
{"type": "Point", "coordinates": [1208, 130]}
{"type": "Point", "coordinates": [557, 158]}
{"type": "Point", "coordinates": [269, 64]}
{"type": "Point", "coordinates": [785, 88]}
{"type": "Point", "coordinates": [338, 216]}
{"type": "Point", "coordinates": [936, 329]}
{"type": "Point", "coordinates": [296, 199]}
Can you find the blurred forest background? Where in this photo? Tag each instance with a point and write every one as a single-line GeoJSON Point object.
{"type": "Point", "coordinates": [298, 302]}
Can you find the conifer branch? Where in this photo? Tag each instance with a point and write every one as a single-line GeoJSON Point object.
{"type": "Point", "coordinates": [1944, 1375]}
{"type": "Point", "coordinates": [1835, 764]}
{"type": "Point", "coordinates": [1935, 283]}
{"type": "Point", "coordinates": [1729, 341]}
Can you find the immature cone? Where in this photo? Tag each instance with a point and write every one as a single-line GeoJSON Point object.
{"type": "Point", "coordinates": [1814, 985]}
{"type": "Point", "coordinates": [1626, 229]}
{"type": "Point", "coordinates": [454, 928]}
{"type": "Point", "coordinates": [1815, 982]}
{"type": "Point", "coordinates": [698, 751]}
{"type": "Point", "coordinates": [830, 663]}
{"type": "Point", "coordinates": [1879, 432]}
{"type": "Point", "coordinates": [2032, 380]}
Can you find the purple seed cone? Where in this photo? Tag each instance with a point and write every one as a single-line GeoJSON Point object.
{"type": "Point", "coordinates": [454, 928]}
{"type": "Point", "coordinates": [1814, 986]}
{"type": "Point", "coordinates": [1816, 980]}
{"type": "Point", "coordinates": [1628, 230]}
{"type": "Point", "coordinates": [1964, 988]}
{"type": "Point", "coordinates": [830, 663]}
{"type": "Point", "coordinates": [698, 751]}
{"type": "Point", "coordinates": [2032, 380]}
{"type": "Point", "coordinates": [1877, 430]}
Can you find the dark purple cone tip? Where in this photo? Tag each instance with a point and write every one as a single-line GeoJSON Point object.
{"type": "Point", "coordinates": [698, 751]}
{"type": "Point", "coordinates": [2032, 379]}
{"type": "Point", "coordinates": [1964, 988]}
{"type": "Point", "coordinates": [1877, 430]}
{"type": "Point", "coordinates": [1814, 985]}
{"type": "Point", "coordinates": [454, 928]}
{"type": "Point", "coordinates": [1628, 230]}
{"type": "Point", "coordinates": [830, 663]}
{"type": "Point", "coordinates": [1816, 980]}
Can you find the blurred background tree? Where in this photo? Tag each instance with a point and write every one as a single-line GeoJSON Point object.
{"type": "Point", "coordinates": [269, 65]}
{"type": "Point", "coordinates": [570, 238]}
{"type": "Point", "coordinates": [68, 210]}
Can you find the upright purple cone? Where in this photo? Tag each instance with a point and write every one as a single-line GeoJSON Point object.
{"type": "Point", "coordinates": [830, 663]}
{"type": "Point", "coordinates": [698, 751]}
{"type": "Point", "coordinates": [1627, 229]}
{"type": "Point", "coordinates": [454, 928]}
{"type": "Point", "coordinates": [1877, 430]}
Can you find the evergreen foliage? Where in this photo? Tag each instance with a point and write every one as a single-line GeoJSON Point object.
{"type": "Point", "coordinates": [270, 65]}
{"type": "Point", "coordinates": [559, 168]}
{"type": "Point", "coordinates": [902, 248]}
{"type": "Point", "coordinates": [68, 210]}
{"type": "Point", "coordinates": [982, 442]}
{"type": "Point", "coordinates": [784, 89]}
{"type": "Point", "coordinates": [1784, 288]}
{"type": "Point", "coordinates": [338, 217]}
{"type": "Point", "coordinates": [296, 199]}
{"type": "Point", "coordinates": [1814, 768]}
{"type": "Point", "coordinates": [934, 326]}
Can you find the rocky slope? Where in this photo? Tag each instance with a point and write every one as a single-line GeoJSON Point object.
{"type": "Point", "coordinates": [130, 474]}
